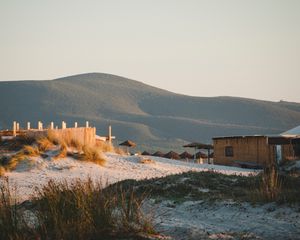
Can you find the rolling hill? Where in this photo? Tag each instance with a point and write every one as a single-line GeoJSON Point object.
{"type": "Point", "coordinates": [155, 118]}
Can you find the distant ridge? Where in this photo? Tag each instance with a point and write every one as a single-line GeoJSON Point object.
{"type": "Point", "coordinates": [152, 117]}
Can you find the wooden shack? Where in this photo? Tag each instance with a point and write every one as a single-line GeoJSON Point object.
{"type": "Point", "coordinates": [254, 151]}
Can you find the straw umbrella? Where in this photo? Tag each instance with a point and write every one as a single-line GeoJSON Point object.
{"type": "Point", "coordinates": [186, 155]}
{"type": "Point", "coordinates": [197, 145]}
{"type": "Point", "coordinates": [146, 153]}
{"type": "Point", "coordinates": [194, 145]}
{"type": "Point", "coordinates": [172, 155]}
{"type": "Point", "coordinates": [158, 154]}
{"type": "Point", "coordinates": [128, 144]}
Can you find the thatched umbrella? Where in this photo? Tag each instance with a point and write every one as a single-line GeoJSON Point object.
{"type": "Point", "coordinates": [197, 145]}
{"type": "Point", "coordinates": [172, 155]}
{"type": "Point", "coordinates": [200, 155]}
{"type": "Point", "coordinates": [128, 144]}
{"type": "Point", "coordinates": [146, 153]}
{"type": "Point", "coordinates": [158, 154]}
{"type": "Point", "coordinates": [186, 155]}
{"type": "Point", "coordinates": [194, 145]}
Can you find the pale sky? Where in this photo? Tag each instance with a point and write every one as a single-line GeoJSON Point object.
{"type": "Point", "coordinates": [246, 48]}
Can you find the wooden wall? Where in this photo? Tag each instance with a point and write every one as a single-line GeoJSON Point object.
{"type": "Point", "coordinates": [86, 136]}
{"type": "Point", "coordinates": [252, 149]}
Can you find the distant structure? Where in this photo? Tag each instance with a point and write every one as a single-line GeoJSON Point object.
{"type": "Point", "coordinates": [256, 151]}
{"type": "Point", "coordinates": [85, 135]}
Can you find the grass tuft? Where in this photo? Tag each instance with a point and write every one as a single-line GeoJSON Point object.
{"type": "Point", "coordinates": [12, 224]}
{"type": "Point", "coordinates": [44, 144]}
{"type": "Point", "coordinates": [270, 184]}
{"type": "Point", "coordinates": [92, 154]}
{"type": "Point", "coordinates": [63, 151]}
{"type": "Point", "coordinates": [2, 171]}
{"type": "Point", "coordinates": [105, 146]}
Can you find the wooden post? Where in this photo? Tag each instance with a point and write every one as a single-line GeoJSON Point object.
{"type": "Point", "coordinates": [109, 134]}
{"type": "Point", "coordinates": [14, 128]}
{"type": "Point", "coordinates": [18, 126]}
{"type": "Point", "coordinates": [52, 125]}
{"type": "Point", "coordinates": [87, 124]}
{"type": "Point", "coordinates": [63, 125]}
{"type": "Point", "coordinates": [75, 125]}
{"type": "Point", "coordinates": [40, 125]}
{"type": "Point", "coordinates": [28, 125]}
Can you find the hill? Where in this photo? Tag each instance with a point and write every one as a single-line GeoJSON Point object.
{"type": "Point", "coordinates": [155, 118]}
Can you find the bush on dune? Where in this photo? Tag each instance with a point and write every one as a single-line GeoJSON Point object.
{"type": "Point", "coordinates": [92, 154]}
{"type": "Point", "coordinates": [80, 210]}
{"type": "Point", "coordinates": [12, 224]}
{"type": "Point", "coordinates": [44, 144]}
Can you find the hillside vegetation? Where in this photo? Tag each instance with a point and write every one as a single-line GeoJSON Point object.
{"type": "Point", "coordinates": [148, 115]}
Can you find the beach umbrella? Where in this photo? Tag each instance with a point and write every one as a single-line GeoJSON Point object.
{"type": "Point", "coordinates": [194, 145]}
{"type": "Point", "coordinates": [186, 155]}
{"type": "Point", "coordinates": [128, 144]}
{"type": "Point", "coordinates": [198, 145]}
{"type": "Point", "coordinates": [200, 155]}
{"type": "Point", "coordinates": [158, 154]}
{"type": "Point", "coordinates": [172, 155]}
{"type": "Point", "coordinates": [146, 153]}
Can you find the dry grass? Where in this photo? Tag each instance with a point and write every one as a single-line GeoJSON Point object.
{"type": "Point", "coordinates": [31, 151]}
{"type": "Point", "coordinates": [10, 163]}
{"type": "Point", "coordinates": [92, 154]}
{"type": "Point", "coordinates": [2, 171]}
{"type": "Point", "coordinates": [52, 137]}
{"type": "Point", "coordinates": [105, 146]}
{"type": "Point", "coordinates": [84, 210]}
{"type": "Point", "coordinates": [146, 161]}
{"type": "Point", "coordinates": [271, 184]}
{"type": "Point", "coordinates": [80, 210]}
{"type": "Point", "coordinates": [12, 224]}
{"type": "Point", "coordinates": [63, 151]}
{"type": "Point", "coordinates": [120, 151]}
{"type": "Point", "coordinates": [44, 144]}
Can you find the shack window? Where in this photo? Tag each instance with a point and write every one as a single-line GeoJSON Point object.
{"type": "Point", "coordinates": [297, 150]}
{"type": "Point", "coordinates": [229, 151]}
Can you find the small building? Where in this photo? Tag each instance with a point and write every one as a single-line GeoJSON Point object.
{"type": "Point", "coordinates": [255, 151]}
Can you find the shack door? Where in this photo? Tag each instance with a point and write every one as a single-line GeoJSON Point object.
{"type": "Point", "coordinates": [278, 153]}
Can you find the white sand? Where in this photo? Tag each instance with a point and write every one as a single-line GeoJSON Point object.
{"type": "Point", "coordinates": [117, 168]}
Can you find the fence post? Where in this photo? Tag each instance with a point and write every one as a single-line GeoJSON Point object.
{"type": "Point", "coordinates": [14, 128]}
{"type": "Point", "coordinates": [87, 124]}
{"type": "Point", "coordinates": [109, 134]}
{"type": "Point", "coordinates": [40, 125]}
{"type": "Point", "coordinates": [18, 126]}
{"type": "Point", "coordinates": [28, 125]}
{"type": "Point", "coordinates": [63, 125]}
{"type": "Point", "coordinates": [51, 125]}
{"type": "Point", "coordinates": [75, 125]}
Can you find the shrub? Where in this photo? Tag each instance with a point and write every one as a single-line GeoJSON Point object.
{"type": "Point", "coordinates": [44, 144]}
{"type": "Point", "coordinates": [12, 224]}
{"type": "Point", "coordinates": [270, 185]}
{"type": "Point", "coordinates": [93, 154]}
{"type": "Point", "coordinates": [63, 151]}
{"type": "Point", "coordinates": [52, 137]}
{"type": "Point", "coordinates": [146, 160]}
{"type": "Point", "coordinates": [76, 144]}
{"type": "Point", "coordinates": [105, 146]}
{"type": "Point", "coordinates": [120, 151]}
{"type": "Point", "coordinates": [2, 171]}
{"type": "Point", "coordinates": [84, 210]}
{"type": "Point", "coordinates": [28, 150]}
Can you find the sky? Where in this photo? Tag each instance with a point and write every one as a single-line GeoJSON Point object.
{"type": "Point", "coordinates": [244, 48]}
